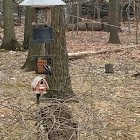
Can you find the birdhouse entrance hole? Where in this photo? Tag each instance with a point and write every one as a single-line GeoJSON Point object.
{"type": "Point", "coordinates": [41, 82]}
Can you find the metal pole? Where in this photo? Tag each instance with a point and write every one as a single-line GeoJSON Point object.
{"type": "Point", "coordinates": [37, 98]}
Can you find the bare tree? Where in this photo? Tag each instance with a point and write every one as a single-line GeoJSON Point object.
{"type": "Point", "coordinates": [114, 21]}
{"type": "Point", "coordinates": [9, 41]}
{"type": "Point", "coordinates": [98, 10]}
{"type": "Point", "coordinates": [28, 28]}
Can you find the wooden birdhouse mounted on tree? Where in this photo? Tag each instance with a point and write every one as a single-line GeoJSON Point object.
{"type": "Point", "coordinates": [42, 30]}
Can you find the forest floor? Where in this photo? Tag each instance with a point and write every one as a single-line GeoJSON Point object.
{"type": "Point", "coordinates": [109, 104]}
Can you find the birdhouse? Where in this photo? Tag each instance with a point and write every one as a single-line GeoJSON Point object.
{"type": "Point", "coordinates": [43, 65]}
{"type": "Point", "coordinates": [42, 17]}
{"type": "Point", "coordinates": [39, 85]}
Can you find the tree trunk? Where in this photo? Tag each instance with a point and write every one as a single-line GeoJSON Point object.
{"type": "Point", "coordinates": [59, 82]}
{"type": "Point", "coordinates": [79, 10]}
{"type": "Point", "coordinates": [114, 21]}
{"type": "Point", "coordinates": [98, 10]}
{"type": "Point", "coordinates": [74, 11]}
{"type": "Point", "coordinates": [34, 49]}
{"type": "Point", "coordinates": [19, 14]}
{"type": "Point", "coordinates": [27, 27]}
{"type": "Point", "coordinates": [137, 23]}
{"type": "Point", "coordinates": [121, 12]}
{"type": "Point", "coordinates": [9, 41]}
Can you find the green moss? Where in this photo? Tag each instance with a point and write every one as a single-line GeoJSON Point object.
{"type": "Point", "coordinates": [23, 84]}
{"type": "Point", "coordinates": [131, 108]}
{"type": "Point", "coordinates": [3, 50]}
{"type": "Point", "coordinates": [8, 85]}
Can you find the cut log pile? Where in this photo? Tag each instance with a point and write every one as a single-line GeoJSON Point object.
{"type": "Point", "coordinates": [88, 26]}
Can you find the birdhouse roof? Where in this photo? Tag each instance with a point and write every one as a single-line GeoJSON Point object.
{"type": "Point", "coordinates": [36, 80]}
{"type": "Point", "coordinates": [42, 3]}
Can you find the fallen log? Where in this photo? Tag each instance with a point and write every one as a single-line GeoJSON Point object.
{"type": "Point", "coordinates": [95, 26]}
{"type": "Point", "coordinates": [70, 27]}
{"type": "Point", "coordinates": [81, 26]}
{"type": "Point", "coordinates": [81, 55]}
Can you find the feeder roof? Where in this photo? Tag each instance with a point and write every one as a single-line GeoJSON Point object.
{"type": "Point", "coordinates": [43, 3]}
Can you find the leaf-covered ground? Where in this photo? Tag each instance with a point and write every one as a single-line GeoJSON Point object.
{"type": "Point", "coordinates": [109, 104]}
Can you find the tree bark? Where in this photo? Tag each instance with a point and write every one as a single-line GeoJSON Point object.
{"type": "Point", "coordinates": [59, 82]}
{"type": "Point", "coordinates": [73, 11]}
{"type": "Point", "coordinates": [27, 28]}
{"type": "Point", "coordinates": [98, 10]}
{"type": "Point", "coordinates": [9, 41]}
{"type": "Point", "coordinates": [18, 10]}
{"type": "Point", "coordinates": [114, 21]}
{"type": "Point", "coordinates": [137, 23]}
{"type": "Point", "coordinates": [34, 49]}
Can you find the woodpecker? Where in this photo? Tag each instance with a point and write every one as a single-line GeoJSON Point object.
{"type": "Point", "coordinates": [48, 68]}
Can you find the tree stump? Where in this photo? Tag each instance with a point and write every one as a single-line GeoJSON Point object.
{"type": "Point", "coordinates": [109, 68]}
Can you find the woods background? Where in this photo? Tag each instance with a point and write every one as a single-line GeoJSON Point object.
{"type": "Point", "coordinates": [100, 105]}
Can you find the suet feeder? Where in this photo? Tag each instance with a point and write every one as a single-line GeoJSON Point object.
{"type": "Point", "coordinates": [42, 17]}
{"type": "Point", "coordinates": [43, 65]}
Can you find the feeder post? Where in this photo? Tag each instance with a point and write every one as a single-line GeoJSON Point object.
{"type": "Point", "coordinates": [37, 98]}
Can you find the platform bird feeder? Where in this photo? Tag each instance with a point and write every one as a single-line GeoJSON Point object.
{"type": "Point", "coordinates": [42, 17]}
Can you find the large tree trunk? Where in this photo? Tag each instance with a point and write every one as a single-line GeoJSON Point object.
{"type": "Point", "coordinates": [59, 82]}
{"type": "Point", "coordinates": [9, 41]}
{"type": "Point", "coordinates": [114, 21]}
{"type": "Point", "coordinates": [34, 49]}
{"type": "Point", "coordinates": [27, 27]}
